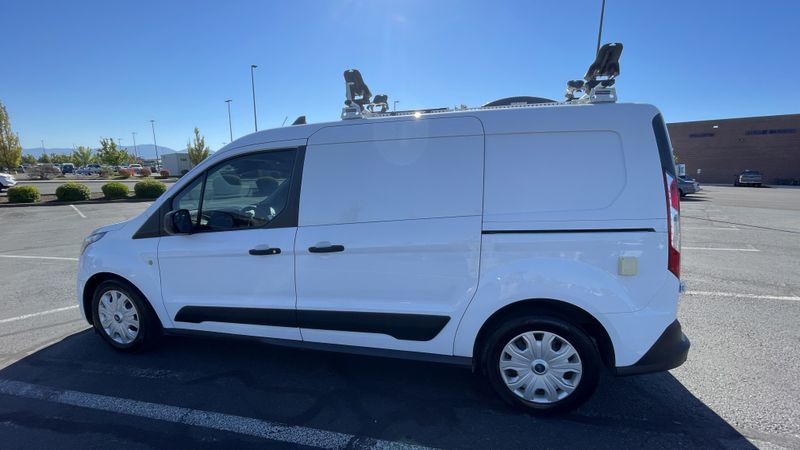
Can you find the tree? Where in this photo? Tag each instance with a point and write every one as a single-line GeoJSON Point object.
{"type": "Point", "coordinates": [82, 156]}
{"type": "Point", "coordinates": [61, 158]}
{"type": "Point", "coordinates": [44, 158]}
{"type": "Point", "coordinates": [110, 154]}
{"type": "Point", "coordinates": [197, 150]}
{"type": "Point", "coordinates": [10, 150]}
{"type": "Point", "coordinates": [29, 159]}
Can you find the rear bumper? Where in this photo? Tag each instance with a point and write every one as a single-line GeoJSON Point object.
{"type": "Point", "coordinates": [668, 352]}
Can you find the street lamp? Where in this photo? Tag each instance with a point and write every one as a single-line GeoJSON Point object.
{"type": "Point", "coordinates": [153, 126]}
{"type": "Point", "coordinates": [253, 84]}
{"type": "Point", "coordinates": [135, 150]}
{"type": "Point", "coordinates": [230, 126]}
{"type": "Point", "coordinates": [395, 104]}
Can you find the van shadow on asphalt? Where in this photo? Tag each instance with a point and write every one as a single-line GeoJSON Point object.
{"type": "Point", "coordinates": [423, 403]}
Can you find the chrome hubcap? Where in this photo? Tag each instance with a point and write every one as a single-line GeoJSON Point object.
{"type": "Point", "coordinates": [540, 367]}
{"type": "Point", "coordinates": [118, 317]}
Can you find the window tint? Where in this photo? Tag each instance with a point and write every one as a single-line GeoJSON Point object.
{"type": "Point", "coordinates": [245, 192]}
{"type": "Point", "coordinates": [189, 198]}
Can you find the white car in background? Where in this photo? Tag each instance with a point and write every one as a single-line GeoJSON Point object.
{"type": "Point", "coordinates": [7, 180]}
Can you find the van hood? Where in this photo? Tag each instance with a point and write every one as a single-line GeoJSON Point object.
{"type": "Point", "coordinates": [111, 227]}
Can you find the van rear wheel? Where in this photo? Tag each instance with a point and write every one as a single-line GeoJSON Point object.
{"type": "Point", "coordinates": [122, 317]}
{"type": "Point", "coordinates": [541, 364]}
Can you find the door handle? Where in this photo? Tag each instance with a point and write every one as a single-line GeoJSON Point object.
{"type": "Point", "coordinates": [264, 251]}
{"type": "Point", "coordinates": [326, 248]}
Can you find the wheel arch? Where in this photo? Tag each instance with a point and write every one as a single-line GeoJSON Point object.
{"type": "Point", "coordinates": [98, 278]}
{"type": "Point", "coordinates": [547, 307]}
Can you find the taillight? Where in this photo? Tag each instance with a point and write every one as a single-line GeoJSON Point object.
{"type": "Point", "coordinates": [673, 224]}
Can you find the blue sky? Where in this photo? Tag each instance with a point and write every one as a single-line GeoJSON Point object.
{"type": "Point", "coordinates": [76, 71]}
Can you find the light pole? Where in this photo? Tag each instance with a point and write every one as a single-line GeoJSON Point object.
{"type": "Point", "coordinates": [395, 104]}
{"type": "Point", "coordinates": [253, 84]}
{"type": "Point", "coordinates": [42, 146]}
{"type": "Point", "coordinates": [153, 126]}
{"type": "Point", "coordinates": [135, 150]}
{"type": "Point", "coordinates": [230, 126]}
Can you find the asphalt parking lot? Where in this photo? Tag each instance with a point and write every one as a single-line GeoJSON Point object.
{"type": "Point", "coordinates": [61, 386]}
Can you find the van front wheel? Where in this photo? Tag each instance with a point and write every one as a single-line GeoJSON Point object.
{"type": "Point", "coordinates": [122, 317]}
{"type": "Point", "coordinates": [541, 364]}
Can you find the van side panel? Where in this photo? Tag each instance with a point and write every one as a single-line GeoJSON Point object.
{"type": "Point", "coordinates": [570, 195]}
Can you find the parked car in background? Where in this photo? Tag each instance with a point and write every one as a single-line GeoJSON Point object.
{"type": "Point", "coordinates": [7, 180]}
{"type": "Point", "coordinates": [67, 168]}
{"type": "Point", "coordinates": [687, 185]}
{"type": "Point", "coordinates": [748, 178]}
{"type": "Point", "coordinates": [135, 169]}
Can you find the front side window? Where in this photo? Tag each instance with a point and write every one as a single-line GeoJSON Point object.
{"type": "Point", "coordinates": [244, 192]}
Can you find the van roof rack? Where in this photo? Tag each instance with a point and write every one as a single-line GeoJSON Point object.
{"type": "Point", "coordinates": [597, 85]}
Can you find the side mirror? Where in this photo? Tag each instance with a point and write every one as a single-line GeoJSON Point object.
{"type": "Point", "coordinates": [178, 222]}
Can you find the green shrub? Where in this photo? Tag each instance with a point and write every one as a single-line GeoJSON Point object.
{"type": "Point", "coordinates": [73, 192]}
{"type": "Point", "coordinates": [23, 194]}
{"type": "Point", "coordinates": [149, 188]}
{"type": "Point", "coordinates": [113, 191]}
{"type": "Point", "coordinates": [106, 172]}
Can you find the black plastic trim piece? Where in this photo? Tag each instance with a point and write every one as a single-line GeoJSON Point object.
{"type": "Point", "coordinates": [664, 146]}
{"type": "Point", "coordinates": [591, 230]}
{"type": "Point", "coordinates": [328, 249]}
{"type": "Point", "coordinates": [461, 361]}
{"type": "Point", "coordinates": [251, 316]}
{"type": "Point", "coordinates": [150, 228]}
{"type": "Point", "coordinates": [668, 352]}
{"type": "Point", "coordinates": [410, 327]}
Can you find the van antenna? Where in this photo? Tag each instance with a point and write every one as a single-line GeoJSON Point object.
{"type": "Point", "coordinates": [600, 31]}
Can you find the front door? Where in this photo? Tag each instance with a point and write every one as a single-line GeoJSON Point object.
{"type": "Point", "coordinates": [235, 272]}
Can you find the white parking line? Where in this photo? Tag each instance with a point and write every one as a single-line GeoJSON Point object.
{"type": "Point", "coordinates": [78, 211]}
{"type": "Point", "coordinates": [55, 258]}
{"type": "Point", "coordinates": [42, 313]}
{"type": "Point", "coordinates": [273, 431]}
{"type": "Point", "coordinates": [754, 296]}
{"type": "Point", "coordinates": [723, 249]}
{"type": "Point", "coordinates": [710, 228]}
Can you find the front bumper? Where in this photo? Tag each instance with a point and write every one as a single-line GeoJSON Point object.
{"type": "Point", "coordinates": [8, 183]}
{"type": "Point", "coordinates": [668, 352]}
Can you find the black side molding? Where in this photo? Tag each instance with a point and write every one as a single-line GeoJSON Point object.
{"type": "Point", "coordinates": [586, 230]}
{"type": "Point", "coordinates": [409, 327]}
{"type": "Point", "coordinates": [668, 352]}
{"type": "Point", "coordinates": [250, 316]}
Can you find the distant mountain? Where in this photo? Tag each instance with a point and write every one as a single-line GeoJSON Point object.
{"type": "Point", "coordinates": [146, 151]}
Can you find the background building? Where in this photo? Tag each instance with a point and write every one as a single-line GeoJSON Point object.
{"type": "Point", "coordinates": [715, 151]}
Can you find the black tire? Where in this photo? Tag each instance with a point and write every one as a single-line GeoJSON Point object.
{"type": "Point", "coordinates": [680, 191]}
{"type": "Point", "coordinates": [580, 341]}
{"type": "Point", "coordinates": [149, 329]}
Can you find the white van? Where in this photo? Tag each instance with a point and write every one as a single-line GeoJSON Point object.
{"type": "Point", "coordinates": [536, 243]}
